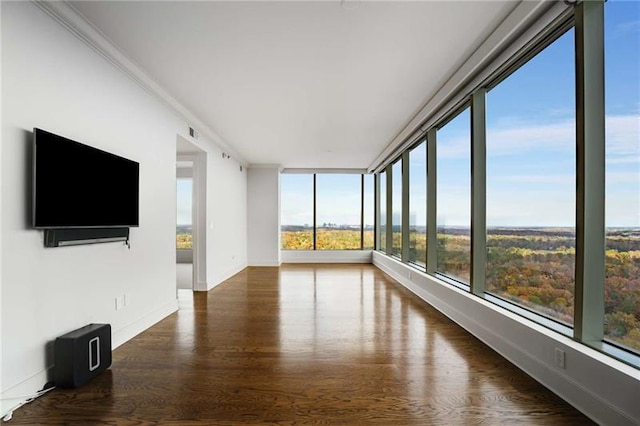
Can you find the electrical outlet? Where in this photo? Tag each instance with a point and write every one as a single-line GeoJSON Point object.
{"type": "Point", "coordinates": [560, 358]}
{"type": "Point", "coordinates": [121, 302]}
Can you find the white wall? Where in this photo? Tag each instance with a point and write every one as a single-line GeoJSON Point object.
{"type": "Point", "coordinates": [1, 207]}
{"type": "Point", "coordinates": [263, 216]}
{"type": "Point", "coordinates": [226, 215]}
{"type": "Point", "coordinates": [52, 80]}
{"type": "Point", "coordinates": [226, 218]}
{"type": "Point", "coordinates": [604, 389]}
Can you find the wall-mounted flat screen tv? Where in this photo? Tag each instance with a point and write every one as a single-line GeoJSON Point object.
{"type": "Point", "coordinates": [78, 186]}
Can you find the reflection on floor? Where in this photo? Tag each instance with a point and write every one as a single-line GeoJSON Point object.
{"type": "Point", "coordinates": [184, 272]}
{"type": "Point", "coordinates": [305, 344]}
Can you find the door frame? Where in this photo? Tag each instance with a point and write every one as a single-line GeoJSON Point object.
{"type": "Point", "coordinates": [198, 158]}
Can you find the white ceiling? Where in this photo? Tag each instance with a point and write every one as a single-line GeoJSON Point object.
{"type": "Point", "coordinates": [300, 84]}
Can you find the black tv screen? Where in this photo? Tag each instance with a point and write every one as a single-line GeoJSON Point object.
{"type": "Point", "coordinates": [78, 186]}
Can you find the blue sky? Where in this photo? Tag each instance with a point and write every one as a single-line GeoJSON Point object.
{"type": "Point", "coordinates": [338, 198]}
{"type": "Point", "coordinates": [335, 195]}
{"type": "Point", "coordinates": [297, 200]}
{"type": "Point", "coordinates": [622, 105]}
{"type": "Point", "coordinates": [530, 146]}
{"type": "Point", "coordinates": [531, 137]}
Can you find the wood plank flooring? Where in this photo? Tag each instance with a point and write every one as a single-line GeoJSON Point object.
{"type": "Point", "coordinates": [305, 344]}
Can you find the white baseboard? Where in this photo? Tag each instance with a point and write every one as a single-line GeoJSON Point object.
{"type": "Point", "coordinates": [226, 275]}
{"type": "Point", "coordinates": [267, 263]}
{"type": "Point", "coordinates": [19, 392]}
{"type": "Point", "coordinates": [131, 330]}
{"type": "Point", "coordinates": [200, 286]}
{"type": "Point", "coordinates": [602, 388]}
{"type": "Point", "coordinates": [326, 256]}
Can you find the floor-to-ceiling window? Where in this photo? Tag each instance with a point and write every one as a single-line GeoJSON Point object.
{"type": "Point", "coordinates": [531, 183]}
{"type": "Point", "coordinates": [382, 223]}
{"type": "Point", "coordinates": [296, 220]}
{"type": "Point", "coordinates": [536, 241]}
{"type": "Point", "coordinates": [184, 224]}
{"type": "Point", "coordinates": [327, 211]}
{"type": "Point", "coordinates": [418, 205]}
{"type": "Point", "coordinates": [368, 213]}
{"type": "Point", "coordinates": [396, 208]}
{"type": "Point", "coordinates": [454, 197]}
{"type": "Point", "coordinates": [622, 172]}
{"type": "Point", "coordinates": [338, 211]}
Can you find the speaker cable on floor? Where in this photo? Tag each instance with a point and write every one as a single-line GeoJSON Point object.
{"type": "Point", "coordinates": [48, 387]}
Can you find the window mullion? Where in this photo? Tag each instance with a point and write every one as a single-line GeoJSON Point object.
{"type": "Point", "coordinates": [478, 192]}
{"type": "Point", "coordinates": [432, 226]}
{"type": "Point", "coordinates": [389, 218]}
{"type": "Point", "coordinates": [362, 212]}
{"type": "Point", "coordinates": [404, 253]}
{"type": "Point", "coordinates": [315, 212]}
{"type": "Point", "coordinates": [590, 169]}
{"type": "Point", "coordinates": [376, 208]}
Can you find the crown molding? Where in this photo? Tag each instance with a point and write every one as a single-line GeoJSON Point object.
{"type": "Point", "coordinates": [67, 16]}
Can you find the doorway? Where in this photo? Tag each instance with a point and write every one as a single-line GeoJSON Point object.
{"type": "Point", "coordinates": [190, 216]}
{"type": "Point", "coordinates": [184, 224]}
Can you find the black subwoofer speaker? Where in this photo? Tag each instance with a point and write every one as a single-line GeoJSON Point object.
{"type": "Point", "coordinates": [81, 355]}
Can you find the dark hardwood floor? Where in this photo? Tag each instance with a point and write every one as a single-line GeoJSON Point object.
{"type": "Point", "coordinates": [316, 344]}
